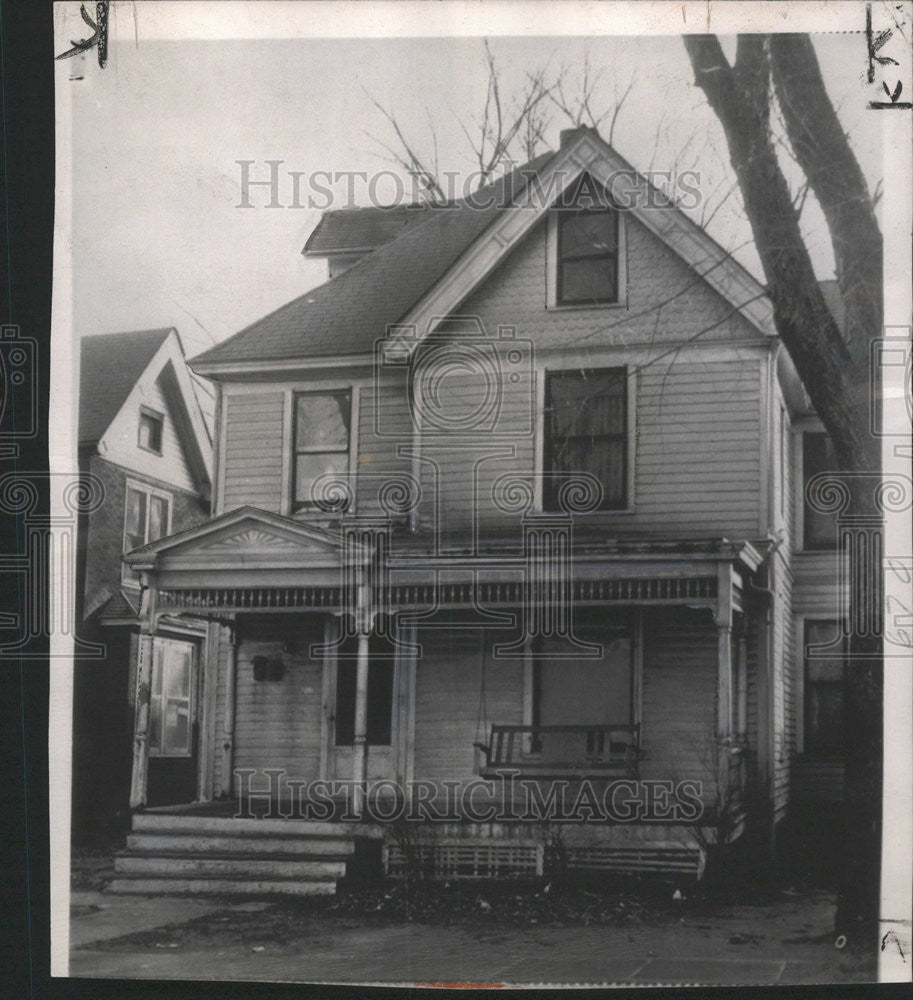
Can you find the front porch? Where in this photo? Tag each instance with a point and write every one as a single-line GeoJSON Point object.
{"type": "Point", "coordinates": [332, 657]}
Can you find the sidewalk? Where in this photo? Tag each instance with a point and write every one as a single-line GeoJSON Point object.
{"type": "Point", "coordinates": [740, 946]}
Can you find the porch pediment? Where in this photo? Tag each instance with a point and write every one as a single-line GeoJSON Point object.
{"type": "Point", "coordinates": [246, 547]}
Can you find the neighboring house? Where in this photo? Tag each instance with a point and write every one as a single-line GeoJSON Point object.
{"type": "Point", "coordinates": [518, 490]}
{"type": "Point", "coordinates": [144, 442]}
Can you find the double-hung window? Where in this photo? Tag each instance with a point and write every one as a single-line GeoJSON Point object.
{"type": "Point", "coordinates": [587, 257]}
{"type": "Point", "coordinates": [322, 445]}
{"type": "Point", "coordinates": [151, 425]}
{"type": "Point", "coordinates": [586, 434]}
{"type": "Point", "coordinates": [147, 516]}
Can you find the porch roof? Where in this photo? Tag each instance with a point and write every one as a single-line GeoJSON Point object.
{"type": "Point", "coordinates": [251, 559]}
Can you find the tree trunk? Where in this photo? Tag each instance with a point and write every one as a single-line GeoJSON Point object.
{"type": "Point", "coordinates": [832, 364]}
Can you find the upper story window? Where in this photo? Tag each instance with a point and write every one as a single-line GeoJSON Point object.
{"type": "Point", "coordinates": [586, 431]}
{"type": "Point", "coordinates": [322, 443]}
{"type": "Point", "coordinates": [587, 257]}
{"type": "Point", "coordinates": [819, 530]}
{"type": "Point", "coordinates": [150, 430]}
{"type": "Point", "coordinates": [147, 518]}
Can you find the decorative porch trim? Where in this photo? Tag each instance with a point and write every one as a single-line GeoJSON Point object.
{"type": "Point", "coordinates": [645, 590]}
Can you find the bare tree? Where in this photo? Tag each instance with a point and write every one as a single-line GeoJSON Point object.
{"type": "Point", "coordinates": [833, 364]}
{"type": "Point", "coordinates": [507, 125]}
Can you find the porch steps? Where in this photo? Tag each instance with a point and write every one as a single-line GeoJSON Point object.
{"type": "Point", "coordinates": [170, 853]}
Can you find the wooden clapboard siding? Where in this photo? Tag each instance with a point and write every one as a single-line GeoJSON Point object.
{"type": "Point", "coordinates": [258, 441]}
{"type": "Point", "coordinates": [384, 438]}
{"type": "Point", "coordinates": [697, 413]}
{"type": "Point", "coordinates": [678, 721]}
{"type": "Point", "coordinates": [253, 458]}
{"type": "Point", "coordinates": [278, 723]}
{"type": "Point", "coordinates": [753, 689]}
{"type": "Point", "coordinates": [817, 593]}
{"type": "Point", "coordinates": [784, 680]}
{"type": "Point", "coordinates": [447, 692]}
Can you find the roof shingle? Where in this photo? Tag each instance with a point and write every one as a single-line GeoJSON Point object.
{"type": "Point", "coordinates": [347, 314]}
{"type": "Point", "coordinates": [110, 365]}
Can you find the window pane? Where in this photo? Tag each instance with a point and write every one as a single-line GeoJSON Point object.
{"type": "Point", "coordinates": [587, 234]}
{"type": "Point", "coordinates": [150, 432]}
{"type": "Point", "coordinates": [345, 702]}
{"type": "Point", "coordinates": [380, 702]}
{"type": "Point", "coordinates": [322, 420]}
{"type": "Point", "coordinates": [820, 530]}
{"type": "Point", "coordinates": [588, 280]}
{"type": "Point", "coordinates": [309, 467]}
{"type": "Point", "coordinates": [177, 676]}
{"type": "Point", "coordinates": [136, 519]}
{"type": "Point", "coordinates": [588, 402]}
{"type": "Point", "coordinates": [177, 728]}
{"type": "Point", "coordinates": [158, 517]}
{"type": "Point", "coordinates": [155, 723]}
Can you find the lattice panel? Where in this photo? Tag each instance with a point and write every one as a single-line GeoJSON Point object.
{"type": "Point", "coordinates": [467, 859]}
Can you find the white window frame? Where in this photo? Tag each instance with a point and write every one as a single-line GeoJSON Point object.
{"type": "Point", "coordinates": [160, 643]}
{"type": "Point", "coordinates": [289, 445]}
{"type": "Point", "coordinates": [552, 262]}
{"type": "Point", "coordinates": [631, 476]}
{"type": "Point", "coordinates": [134, 484]}
{"type": "Point", "coordinates": [151, 414]}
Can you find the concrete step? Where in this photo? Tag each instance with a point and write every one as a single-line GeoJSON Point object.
{"type": "Point", "coordinates": [226, 867]}
{"type": "Point", "coordinates": [228, 825]}
{"type": "Point", "coordinates": [221, 887]}
{"type": "Point", "coordinates": [302, 847]}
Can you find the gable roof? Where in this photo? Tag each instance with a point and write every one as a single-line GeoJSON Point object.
{"type": "Point", "coordinates": [345, 315]}
{"type": "Point", "coordinates": [110, 366]}
{"type": "Point", "coordinates": [353, 230]}
{"type": "Point", "coordinates": [424, 273]}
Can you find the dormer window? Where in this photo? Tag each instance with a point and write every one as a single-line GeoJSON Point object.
{"type": "Point", "coordinates": [150, 430]}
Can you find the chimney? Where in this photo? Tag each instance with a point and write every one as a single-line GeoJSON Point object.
{"type": "Point", "coordinates": [568, 135]}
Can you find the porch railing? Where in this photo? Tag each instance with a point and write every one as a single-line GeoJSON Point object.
{"type": "Point", "coordinates": [603, 750]}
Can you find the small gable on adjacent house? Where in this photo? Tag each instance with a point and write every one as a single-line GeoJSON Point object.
{"type": "Point", "coordinates": [143, 436]}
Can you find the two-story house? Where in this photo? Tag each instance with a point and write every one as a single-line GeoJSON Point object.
{"type": "Point", "coordinates": [144, 444]}
{"type": "Point", "coordinates": [504, 529]}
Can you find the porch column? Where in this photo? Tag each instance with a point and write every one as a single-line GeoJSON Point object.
{"type": "Point", "coordinates": [363, 623]}
{"type": "Point", "coordinates": [724, 682]}
{"type": "Point", "coordinates": [228, 720]}
{"type": "Point", "coordinates": [724, 655]}
{"type": "Point", "coordinates": [143, 695]}
{"type": "Point", "coordinates": [141, 722]}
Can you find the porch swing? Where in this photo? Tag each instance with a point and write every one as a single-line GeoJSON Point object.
{"type": "Point", "coordinates": [608, 750]}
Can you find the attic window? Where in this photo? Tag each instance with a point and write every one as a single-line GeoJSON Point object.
{"type": "Point", "coordinates": [150, 430]}
{"type": "Point", "coordinates": [587, 257]}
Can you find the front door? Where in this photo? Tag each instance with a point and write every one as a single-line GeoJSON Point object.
{"type": "Point", "coordinates": [173, 735]}
{"type": "Point", "coordinates": [381, 700]}
{"type": "Point", "coordinates": [573, 689]}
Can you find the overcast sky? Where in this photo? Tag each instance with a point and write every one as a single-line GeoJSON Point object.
{"type": "Point", "coordinates": [160, 239]}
